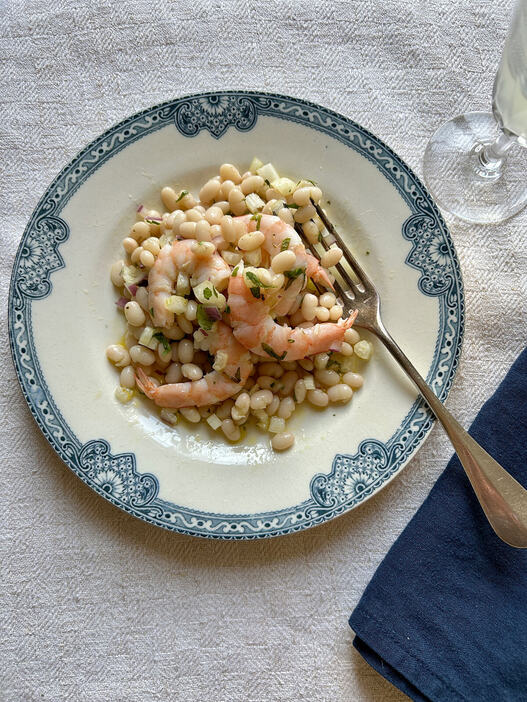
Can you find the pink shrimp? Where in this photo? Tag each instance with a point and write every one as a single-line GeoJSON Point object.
{"type": "Point", "coordinates": [255, 329]}
{"type": "Point", "coordinates": [280, 236]}
{"type": "Point", "coordinates": [182, 256]}
{"type": "Point", "coordinates": [214, 387]}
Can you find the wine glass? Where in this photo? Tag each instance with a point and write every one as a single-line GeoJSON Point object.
{"type": "Point", "coordinates": [475, 165]}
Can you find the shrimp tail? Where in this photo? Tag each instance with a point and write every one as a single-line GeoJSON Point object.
{"type": "Point", "coordinates": [145, 384]}
{"type": "Point", "coordinates": [351, 319]}
{"type": "Point", "coordinates": [317, 273]}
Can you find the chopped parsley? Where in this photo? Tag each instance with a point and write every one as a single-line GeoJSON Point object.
{"type": "Point", "coordinates": [293, 275]}
{"type": "Point", "coordinates": [235, 272]}
{"type": "Point", "coordinates": [254, 279]}
{"type": "Point", "coordinates": [152, 312]}
{"type": "Point", "coordinates": [182, 195]}
{"type": "Point", "coordinates": [258, 218]}
{"type": "Point", "coordinates": [237, 375]}
{"type": "Point", "coordinates": [152, 221]}
{"type": "Point", "coordinates": [204, 321]}
{"type": "Point", "coordinates": [285, 244]}
{"type": "Point", "coordinates": [367, 253]}
{"type": "Point", "coordinates": [271, 352]}
{"type": "Point", "coordinates": [290, 341]}
{"type": "Point", "coordinates": [162, 338]}
{"type": "Point", "coordinates": [227, 310]}
{"type": "Point", "coordinates": [267, 182]}
{"type": "Point", "coordinates": [255, 292]}
{"type": "Point", "coordinates": [319, 237]}
{"type": "Point", "coordinates": [292, 206]}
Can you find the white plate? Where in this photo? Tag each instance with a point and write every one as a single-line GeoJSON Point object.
{"type": "Point", "coordinates": [62, 317]}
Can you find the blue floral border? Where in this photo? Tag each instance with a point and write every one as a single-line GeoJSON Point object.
{"type": "Point", "coordinates": [352, 478]}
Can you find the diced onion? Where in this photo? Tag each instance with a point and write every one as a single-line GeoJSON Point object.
{"type": "Point", "coordinates": [176, 304]}
{"type": "Point", "coordinates": [147, 338]}
{"type": "Point", "coordinates": [254, 202]}
{"type": "Point", "coordinates": [268, 172]}
{"type": "Point", "coordinates": [214, 421]}
{"type": "Point", "coordinates": [255, 165]}
{"type": "Point", "coordinates": [276, 425]}
{"type": "Point", "coordinates": [121, 302]}
{"type": "Point", "coordinates": [285, 186]}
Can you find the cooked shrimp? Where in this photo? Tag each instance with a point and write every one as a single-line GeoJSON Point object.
{"type": "Point", "coordinates": [214, 387]}
{"type": "Point", "coordinates": [255, 329]}
{"type": "Point", "coordinates": [181, 257]}
{"type": "Point", "coordinates": [278, 237]}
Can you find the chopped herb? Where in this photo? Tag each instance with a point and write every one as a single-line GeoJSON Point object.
{"type": "Point", "coordinates": [151, 311]}
{"type": "Point", "coordinates": [152, 221]}
{"type": "Point", "coordinates": [294, 273]}
{"type": "Point", "coordinates": [367, 253]}
{"type": "Point", "coordinates": [292, 206]}
{"type": "Point", "coordinates": [329, 202]}
{"type": "Point", "coordinates": [254, 279]}
{"type": "Point", "coordinates": [290, 341]}
{"type": "Point", "coordinates": [182, 195]}
{"type": "Point", "coordinates": [271, 352]}
{"type": "Point", "coordinates": [310, 181]}
{"type": "Point", "coordinates": [255, 292]}
{"type": "Point", "coordinates": [258, 218]}
{"type": "Point", "coordinates": [227, 310]}
{"type": "Point", "coordinates": [235, 272]}
{"type": "Point", "coordinates": [267, 182]}
{"type": "Point", "coordinates": [285, 244]}
{"type": "Point", "coordinates": [332, 363]}
{"type": "Point", "coordinates": [204, 321]}
{"type": "Point", "coordinates": [237, 375]}
{"type": "Point", "coordinates": [162, 338]}
{"type": "Point", "coordinates": [320, 237]}
{"type": "Point", "coordinates": [207, 293]}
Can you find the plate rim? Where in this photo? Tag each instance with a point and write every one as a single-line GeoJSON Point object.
{"type": "Point", "coordinates": [142, 502]}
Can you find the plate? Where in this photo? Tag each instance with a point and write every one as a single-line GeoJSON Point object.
{"type": "Point", "coordinates": [62, 317]}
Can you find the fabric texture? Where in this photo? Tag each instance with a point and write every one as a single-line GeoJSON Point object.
{"type": "Point", "coordinates": [96, 605]}
{"type": "Point", "coordinates": [444, 616]}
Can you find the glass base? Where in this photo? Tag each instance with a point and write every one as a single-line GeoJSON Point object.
{"type": "Point", "coordinates": [458, 180]}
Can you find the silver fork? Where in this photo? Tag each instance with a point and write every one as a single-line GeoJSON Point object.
{"type": "Point", "coordinates": [502, 498]}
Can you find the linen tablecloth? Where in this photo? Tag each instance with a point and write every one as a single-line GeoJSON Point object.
{"type": "Point", "coordinates": [96, 605]}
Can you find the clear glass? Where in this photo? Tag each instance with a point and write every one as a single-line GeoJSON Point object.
{"type": "Point", "coordinates": [475, 165]}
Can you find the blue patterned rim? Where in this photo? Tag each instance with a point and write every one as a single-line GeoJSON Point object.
{"type": "Point", "coordinates": [352, 478]}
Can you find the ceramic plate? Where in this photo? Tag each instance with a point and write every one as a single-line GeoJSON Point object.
{"type": "Point", "coordinates": [62, 317]}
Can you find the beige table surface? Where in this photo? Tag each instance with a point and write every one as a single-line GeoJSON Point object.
{"type": "Point", "coordinates": [96, 605]}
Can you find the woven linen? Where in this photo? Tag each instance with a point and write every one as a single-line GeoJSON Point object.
{"type": "Point", "coordinates": [96, 605]}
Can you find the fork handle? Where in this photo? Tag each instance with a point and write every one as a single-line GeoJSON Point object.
{"type": "Point", "coordinates": [502, 497]}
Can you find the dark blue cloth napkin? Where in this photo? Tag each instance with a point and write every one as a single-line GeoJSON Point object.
{"type": "Point", "coordinates": [444, 618]}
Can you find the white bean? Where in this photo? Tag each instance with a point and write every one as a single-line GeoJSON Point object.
{"type": "Point", "coordinates": [303, 214]}
{"type": "Point", "coordinates": [165, 353]}
{"type": "Point", "coordinates": [169, 198]}
{"type": "Point", "coordinates": [185, 324]}
{"type": "Point", "coordinates": [322, 314]}
{"type": "Point", "coordinates": [230, 172]}
{"type": "Point", "coordinates": [188, 230]}
{"type": "Point", "coordinates": [300, 391]}
{"type": "Point", "coordinates": [127, 377]}
{"type": "Point", "coordinates": [273, 407]}
{"type": "Point", "coordinates": [252, 184]}
{"type": "Point", "coordinates": [191, 414]}
{"type": "Point", "coordinates": [311, 231]}
{"type": "Point", "coordinates": [346, 349]}
{"type": "Point", "coordinates": [318, 398]}
{"type": "Point", "coordinates": [301, 196]}
{"type": "Point", "coordinates": [287, 407]}
{"type": "Point", "coordinates": [231, 431]}
{"type": "Point", "coordinates": [286, 216]}
{"type": "Point", "coordinates": [147, 258]}
{"type": "Point", "coordinates": [225, 188]}
{"type": "Point", "coordinates": [309, 306]}
{"type": "Point", "coordinates": [129, 244]}
{"type": "Point", "coordinates": [143, 356]}
{"type": "Point", "coordinates": [174, 333]}
{"type": "Point", "coordinates": [351, 336]}
{"type": "Point", "coordinates": [118, 355]}
{"type": "Point", "coordinates": [288, 381]}
{"type": "Point", "coordinates": [316, 194]}
{"type": "Point", "coordinates": [194, 215]}
{"type": "Point", "coordinates": [224, 410]}
{"type": "Point", "coordinates": [136, 255]}
{"type": "Point", "coordinates": [340, 393]}
{"type": "Point", "coordinates": [327, 299]}
{"type": "Point", "coordinates": [124, 395]}
{"type": "Point", "coordinates": [210, 190]}
{"type": "Point", "coordinates": [335, 313]}
{"type": "Point", "coordinates": [134, 314]}
{"type": "Point", "coordinates": [140, 231]}
{"type": "Point", "coordinates": [243, 402]}
{"type": "Point", "coordinates": [261, 399]}
{"type": "Point", "coordinates": [331, 257]}
{"type": "Point", "coordinates": [307, 364]}
{"type": "Point", "coordinates": [115, 273]}
{"type": "Point", "coordinates": [283, 261]}
{"type": "Point", "coordinates": [214, 215]}
{"type": "Point", "coordinates": [251, 241]}
{"type": "Point", "coordinates": [321, 360]}
{"type": "Point", "coordinates": [282, 441]}
{"type": "Point", "coordinates": [191, 371]}
{"type": "Point", "coordinates": [173, 374]}
{"type": "Point", "coordinates": [186, 351]}
{"type": "Point", "coordinates": [203, 231]}
{"type": "Point", "coordinates": [327, 377]}
{"type": "Point", "coordinates": [354, 380]}
{"type": "Point", "coordinates": [271, 368]}
{"type": "Point", "coordinates": [152, 244]}
{"type": "Point", "coordinates": [191, 311]}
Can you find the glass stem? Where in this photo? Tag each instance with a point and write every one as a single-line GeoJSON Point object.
{"type": "Point", "coordinates": [492, 156]}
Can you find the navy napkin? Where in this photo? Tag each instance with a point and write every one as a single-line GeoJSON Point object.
{"type": "Point", "coordinates": [444, 618]}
